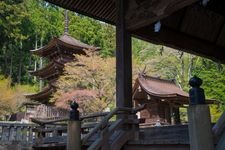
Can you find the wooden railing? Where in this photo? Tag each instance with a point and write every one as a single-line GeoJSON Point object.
{"type": "Point", "coordinates": [128, 122]}
{"type": "Point", "coordinates": [53, 131]}
{"type": "Point", "coordinates": [17, 132]}
{"type": "Point", "coordinates": [219, 132]}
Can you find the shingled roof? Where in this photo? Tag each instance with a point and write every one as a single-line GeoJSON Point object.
{"type": "Point", "coordinates": [160, 87]}
{"type": "Point", "coordinates": [61, 44]}
{"type": "Point", "coordinates": [41, 96]}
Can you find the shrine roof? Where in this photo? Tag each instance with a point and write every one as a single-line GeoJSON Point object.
{"type": "Point", "coordinates": [161, 89]}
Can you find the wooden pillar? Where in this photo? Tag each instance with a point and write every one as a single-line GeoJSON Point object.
{"type": "Point", "coordinates": [74, 129]}
{"type": "Point", "coordinates": [199, 127]}
{"type": "Point", "coordinates": [167, 114]}
{"type": "Point", "coordinates": [171, 115]}
{"type": "Point", "coordinates": [176, 115]}
{"type": "Point", "coordinates": [123, 59]}
{"type": "Point", "coordinates": [200, 132]}
{"type": "Point", "coordinates": [74, 135]}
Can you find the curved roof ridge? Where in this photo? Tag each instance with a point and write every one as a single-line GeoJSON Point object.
{"type": "Point", "coordinates": [157, 78]}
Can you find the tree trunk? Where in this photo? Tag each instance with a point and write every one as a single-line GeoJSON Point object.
{"type": "Point", "coordinates": [35, 61]}
{"type": "Point", "coordinates": [5, 60]}
{"type": "Point", "coordinates": [11, 66]}
{"type": "Point", "coordinates": [40, 67]}
{"type": "Point", "coordinates": [20, 63]}
{"type": "Point", "coordinates": [190, 66]}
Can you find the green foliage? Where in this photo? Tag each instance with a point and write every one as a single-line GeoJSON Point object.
{"type": "Point", "coordinates": [215, 112]}
{"type": "Point", "coordinates": [142, 51]}
{"type": "Point", "coordinates": [108, 44]}
{"type": "Point", "coordinates": [213, 78]}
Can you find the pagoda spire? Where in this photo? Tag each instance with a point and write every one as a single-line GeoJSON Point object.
{"type": "Point", "coordinates": [66, 29]}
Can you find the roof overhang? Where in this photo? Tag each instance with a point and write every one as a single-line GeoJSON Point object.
{"type": "Point", "coordinates": [187, 25]}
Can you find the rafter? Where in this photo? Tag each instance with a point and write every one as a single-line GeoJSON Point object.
{"type": "Point", "coordinates": [143, 13]}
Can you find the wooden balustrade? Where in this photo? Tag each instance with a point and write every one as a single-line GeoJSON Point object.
{"type": "Point", "coordinates": [17, 132]}
{"type": "Point", "coordinates": [55, 131]}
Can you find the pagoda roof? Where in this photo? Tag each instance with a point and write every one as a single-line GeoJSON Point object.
{"type": "Point", "coordinates": [192, 26]}
{"type": "Point", "coordinates": [53, 69]}
{"type": "Point", "coordinates": [165, 90]}
{"type": "Point", "coordinates": [63, 45]}
{"type": "Point", "coordinates": [41, 96]}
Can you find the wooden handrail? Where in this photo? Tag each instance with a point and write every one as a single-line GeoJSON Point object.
{"type": "Point", "coordinates": [93, 115]}
{"type": "Point", "coordinates": [43, 122]}
{"type": "Point", "coordinates": [219, 127]}
{"type": "Point", "coordinates": [100, 125]}
{"type": "Point", "coordinates": [97, 143]}
{"type": "Point", "coordinates": [104, 122]}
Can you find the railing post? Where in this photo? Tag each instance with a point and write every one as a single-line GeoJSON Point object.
{"type": "Point", "coordinates": [74, 129]}
{"type": "Point", "coordinates": [134, 126]}
{"type": "Point", "coordinates": [200, 132]}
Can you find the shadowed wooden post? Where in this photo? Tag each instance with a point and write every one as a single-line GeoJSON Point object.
{"type": "Point", "coordinates": [123, 59]}
{"type": "Point", "coordinates": [200, 132]}
{"type": "Point", "coordinates": [74, 129]}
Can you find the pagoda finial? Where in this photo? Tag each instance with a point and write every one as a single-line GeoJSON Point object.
{"type": "Point", "coordinates": [66, 30]}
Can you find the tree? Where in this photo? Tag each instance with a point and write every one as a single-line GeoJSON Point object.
{"type": "Point", "coordinates": [143, 51]}
{"type": "Point", "coordinates": [12, 24]}
{"type": "Point", "coordinates": [11, 97]}
{"type": "Point", "coordinates": [93, 73]}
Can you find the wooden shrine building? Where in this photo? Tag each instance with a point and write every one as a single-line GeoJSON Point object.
{"type": "Point", "coordinates": [163, 98]}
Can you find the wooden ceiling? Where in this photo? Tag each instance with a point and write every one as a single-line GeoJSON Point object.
{"type": "Point", "coordinates": [187, 25]}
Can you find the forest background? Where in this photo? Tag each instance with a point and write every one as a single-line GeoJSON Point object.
{"type": "Point", "coordinates": [30, 24]}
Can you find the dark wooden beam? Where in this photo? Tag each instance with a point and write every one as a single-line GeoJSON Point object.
{"type": "Point", "coordinates": [142, 13]}
{"type": "Point", "coordinates": [202, 23]}
{"type": "Point", "coordinates": [181, 41]}
{"type": "Point", "coordinates": [123, 59]}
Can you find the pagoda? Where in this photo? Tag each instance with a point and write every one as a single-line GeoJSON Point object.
{"type": "Point", "coordinates": [163, 98]}
{"type": "Point", "coordinates": [58, 51]}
